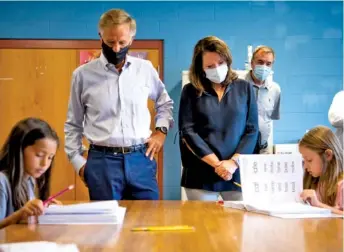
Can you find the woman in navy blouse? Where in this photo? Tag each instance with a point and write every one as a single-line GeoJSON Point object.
{"type": "Point", "coordinates": [218, 121]}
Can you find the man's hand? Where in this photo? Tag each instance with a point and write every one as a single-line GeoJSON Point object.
{"type": "Point", "coordinates": [226, 169]}
{"type": "Point", "coordinates": [81, 174]}
{"type": "Point", "coordinates": [155, 142]}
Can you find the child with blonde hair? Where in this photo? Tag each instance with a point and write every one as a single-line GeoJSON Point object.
{"type": "Point", "coordinates": [323, 164]}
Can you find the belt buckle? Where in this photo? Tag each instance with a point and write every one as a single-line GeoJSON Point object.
{"type": "Point", "coordinates": [123, 150]}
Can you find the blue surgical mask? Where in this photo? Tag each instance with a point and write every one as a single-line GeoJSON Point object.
{"type": "Point", "coordinates": [261, 72]}
{"type": "Point", "coordinates": [218, 74]}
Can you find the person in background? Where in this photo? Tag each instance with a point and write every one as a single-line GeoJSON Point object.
{"type": "Point", "coordinates": [26, 160]}
{"type": "Point", "coordinates": [323, 164]}
{"type": "Point", "coordinates": [267, 94]}
{"type": "Point", "coordinates": [109, 106]}
{"type": "Point", "coordinates": [218, 121]}
{"type": "Point", "coordinates": [336, 114]}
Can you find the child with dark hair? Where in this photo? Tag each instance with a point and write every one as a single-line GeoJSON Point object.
{"type": "Point", "coordinates": [26, 160]}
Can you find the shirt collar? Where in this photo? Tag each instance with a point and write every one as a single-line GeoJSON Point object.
{"type": "Point", "coordinates": [105, 63]}
{"type": "Point", "coordinates": [266, 84]}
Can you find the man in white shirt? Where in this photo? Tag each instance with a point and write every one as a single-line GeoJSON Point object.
{"type": "Point", "coordinates": [267, 92]}
{"type": "Point", "coordinates": [108, 105]}
{"type": "Point", "coordinates": [336, 114]}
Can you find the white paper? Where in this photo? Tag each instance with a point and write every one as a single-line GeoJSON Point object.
{"type": "Point", "coordinates": [306, 216]}
{"type": "Point", "coordinates": [103, 212]}
{"type": "Point", "coordinates": [38, 246]}
{"type": "Point", "coordinates": [271, 178]}
{"type": "Point", "coordinates": [83, 208]}
{"type": "Point", "coordinates": [288, 208]}
{"type": "Point", "coordinates": [272, 184]}
{"type": "Point", "coordinates": [234, 204]}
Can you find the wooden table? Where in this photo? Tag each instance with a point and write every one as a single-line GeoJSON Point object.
{"type": "Point", "coordinates": [216, 229]}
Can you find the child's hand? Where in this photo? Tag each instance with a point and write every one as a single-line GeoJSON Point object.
{"type": "Point", "coordinates": [311, 197]}
{"type": "Point", "coordinates": [33, 207]}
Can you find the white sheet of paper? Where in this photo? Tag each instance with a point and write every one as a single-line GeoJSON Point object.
{"type": "Point", "coordinates": [288, 208]}
{"type": "Point", "coordinates": [103, 212]}
{"type": "Point", "coordinates": [272, 184]}
{"type": "Point", "coordinates": [38, 246]}
{"type": "Point", "coordinates": [271, 178]}
{"type": "Point", "coordinates": [234, 204]}
{"type": "Point", "coordinates": [88, 220]}
{"type": "Point", "coordinates": [83, 208]}
{"type": "Point", "coordinates": [306, 216]}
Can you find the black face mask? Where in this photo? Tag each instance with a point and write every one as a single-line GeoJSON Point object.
{"type": "Point", "coordinates": [114, 57]}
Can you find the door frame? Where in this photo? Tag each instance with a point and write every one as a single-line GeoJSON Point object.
{"type": "Point", "coordinates": [92, 44]}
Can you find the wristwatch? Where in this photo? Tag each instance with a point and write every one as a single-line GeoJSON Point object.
{"type": "Point", "coordinates": [162, 129]}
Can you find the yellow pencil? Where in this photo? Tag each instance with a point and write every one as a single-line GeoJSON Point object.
{"type": "Point", "coordinates": [164, 228]}
{"type": "Point", "coordinates": [237, 184]}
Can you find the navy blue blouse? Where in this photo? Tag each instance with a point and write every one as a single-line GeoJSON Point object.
{"type": "Point", "coordinates": [223, 127]}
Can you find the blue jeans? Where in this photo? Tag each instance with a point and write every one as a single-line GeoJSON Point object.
{"type": "Point", "coordinates": [130, 176]}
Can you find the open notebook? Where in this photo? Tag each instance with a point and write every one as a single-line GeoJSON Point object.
{"type": "Point", "coordinates": [282, 210]}
{"type": "Point", "coordinates": [101, 212]}
{"type": "Point", "coordinates": [272, 184]}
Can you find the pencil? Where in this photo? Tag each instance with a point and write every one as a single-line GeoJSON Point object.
{"type": "Point", "coordinates": [237, 184]}
{"type": "Point", "coordinates": [58, 194]}
{"type": "Point", "coordinates": [164, 228]}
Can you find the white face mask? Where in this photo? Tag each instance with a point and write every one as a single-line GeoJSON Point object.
{"type": "Point", "coordinates": [261, 72]}
{"type": "Point", "coordinates": [217, 75]}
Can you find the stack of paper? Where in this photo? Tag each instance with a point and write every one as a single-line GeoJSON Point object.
{"type": "Point", "coordinates": [102, 212]}
{"type": "Point", "coordinates": [38, 246]}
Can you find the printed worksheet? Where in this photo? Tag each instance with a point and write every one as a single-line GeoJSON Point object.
{"type": "Point", "coordinates": [271, 178]}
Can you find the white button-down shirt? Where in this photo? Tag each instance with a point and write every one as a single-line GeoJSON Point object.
{"type": "Point", "coordinates": [110, 108]}
{"type": "Point", "coordinates": [336, 114]}
{"type": "Point", "coordinates": [268, 98]}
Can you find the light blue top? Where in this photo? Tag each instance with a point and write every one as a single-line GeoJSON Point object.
{"type": "Point", "coordinates": [110, 108]}
{"type": "Point", "coordinates": [6, 204]}
{"type": "Point", "coordinates": [268, 97]}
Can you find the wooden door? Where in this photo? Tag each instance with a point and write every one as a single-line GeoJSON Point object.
{"type": "Point", "coordinates": [35, 83]}
{"type": "Point", "coordinates": [35, 80]}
